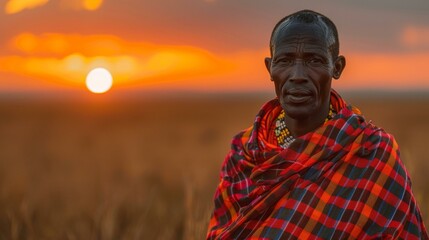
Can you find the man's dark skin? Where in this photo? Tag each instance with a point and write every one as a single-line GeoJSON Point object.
{"type": "Point", "coordinates": [302, 67]}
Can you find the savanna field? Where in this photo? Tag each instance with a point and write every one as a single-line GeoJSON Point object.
{"type": "Point", "coordinates": [146, 168]}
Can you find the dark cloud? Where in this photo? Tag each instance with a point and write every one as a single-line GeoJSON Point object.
{"type": "Point", "coordinates": [223, 25]}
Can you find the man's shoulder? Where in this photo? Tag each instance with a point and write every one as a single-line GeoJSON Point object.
{"type": "Point", "coordinates": [374, 135]}
{"type": "Point", "coordinates": [380, 148]}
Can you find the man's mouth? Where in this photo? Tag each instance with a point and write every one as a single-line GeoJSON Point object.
{"type": "Point", "coordinates": [298, 95]}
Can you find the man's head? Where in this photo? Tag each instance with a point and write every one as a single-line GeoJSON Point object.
{"type": "Point", "coordinates": [304, 59]}
{"type": "Point", "coordinates": [308, 16]}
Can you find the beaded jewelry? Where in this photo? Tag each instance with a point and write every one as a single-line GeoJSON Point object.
{"type": "Point", "coordinates": [283, 135]}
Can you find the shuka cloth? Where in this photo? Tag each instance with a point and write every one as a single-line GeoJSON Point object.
{"type": "Point", "coordinates": [344, 180]}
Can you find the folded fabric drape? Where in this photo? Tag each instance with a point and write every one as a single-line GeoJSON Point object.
{"type": "Point", "coordinates": [344, 180]}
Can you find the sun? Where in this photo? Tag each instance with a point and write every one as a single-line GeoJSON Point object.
{"type": "Point", "coordinates": [99, 80]}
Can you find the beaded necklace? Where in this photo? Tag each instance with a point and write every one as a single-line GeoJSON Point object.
{"type": "Point", "coordinates": [283, 135]}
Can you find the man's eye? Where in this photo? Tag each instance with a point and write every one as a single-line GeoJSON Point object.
{"type": "Point", "coordinates": [286, 61]}
{"type": "Point", "coordinates": [315, 61]}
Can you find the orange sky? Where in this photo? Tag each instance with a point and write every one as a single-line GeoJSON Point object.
{"type": "Point", "coordinates": [202, 45]}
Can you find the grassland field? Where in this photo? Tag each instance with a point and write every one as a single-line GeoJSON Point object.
{"type": "Point", "coordinates": [146, 168]}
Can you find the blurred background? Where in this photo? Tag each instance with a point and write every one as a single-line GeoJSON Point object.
{"type": "Point", "coordinates": [136, 153]}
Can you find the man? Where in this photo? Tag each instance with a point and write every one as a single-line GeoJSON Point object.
{"type": "Point", "coordinates": [311, 167]}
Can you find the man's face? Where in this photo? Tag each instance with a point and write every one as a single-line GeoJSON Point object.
{"type": "Point", "coordinates": [302, 69]}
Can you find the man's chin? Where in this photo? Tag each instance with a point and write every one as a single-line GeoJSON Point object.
{"type": "Point", "coordinates": [298, 107]}
{"type": "Point", "coordinates": [296, 112]}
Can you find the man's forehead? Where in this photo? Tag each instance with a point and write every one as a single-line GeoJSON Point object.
{"type": "Point", "coordinates": [310, 36]}
{"type": "Point", "coordinates": [294, 31]}
{"type": "Point", "coordinates": [298, 49]}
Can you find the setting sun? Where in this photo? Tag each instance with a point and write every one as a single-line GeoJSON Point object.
{"type": "Point", "coordinates": [99, 80]}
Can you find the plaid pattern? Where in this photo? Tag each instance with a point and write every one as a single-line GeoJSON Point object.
{"type": "Point", "coordinates": [345, 180]}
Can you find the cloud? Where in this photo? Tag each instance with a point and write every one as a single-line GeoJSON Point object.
{"type": "Point", "coordinates": [68, 58]}
{"type": "Point", "coordinates": [92, 4]}
{"type": "Point", "coordinates": [415, 36]}
{"type": "Point", "coordinates": [55, 44]}
{"type": "Point", "coordinates": [89, 5]}
{"type": "Point", "coordinates": [15, 6]}
{"type": "Point", "coordinates": [386, 71]}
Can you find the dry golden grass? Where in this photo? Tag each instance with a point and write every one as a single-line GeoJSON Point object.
{"type": "Point", "coordinates": [144, 169]}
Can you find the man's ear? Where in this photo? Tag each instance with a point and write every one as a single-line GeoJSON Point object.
{"type": "Point", "coordinates": [339, 65]}
{"type": "Point", "coordinates": [268, 65]}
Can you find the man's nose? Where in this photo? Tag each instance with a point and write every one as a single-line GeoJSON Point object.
{"type": "Point", "coordinates": [298, 74]}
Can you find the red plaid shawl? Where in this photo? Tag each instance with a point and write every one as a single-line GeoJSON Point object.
{"type": "Point", "coordinates": [345, 180]}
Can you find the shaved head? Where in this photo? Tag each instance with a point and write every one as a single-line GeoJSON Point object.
{"type": "Point", "coordinates": [308, 17]}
